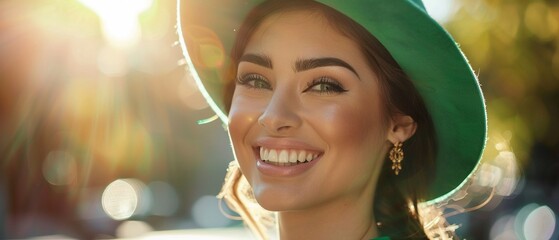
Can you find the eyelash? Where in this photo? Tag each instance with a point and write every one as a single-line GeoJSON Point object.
{"type": "Point", "coordinates": [250, 80]}
{"type": "Point", "coordinates": [335, 86]}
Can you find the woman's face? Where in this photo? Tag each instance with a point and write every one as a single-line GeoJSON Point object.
{"type": "Point", "coordinates": [305, 120]}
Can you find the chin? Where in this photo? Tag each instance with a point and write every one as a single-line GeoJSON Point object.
{"type": "Point", "coordinates": [278, 199]}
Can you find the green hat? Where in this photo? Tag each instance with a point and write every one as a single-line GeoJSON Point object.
{"type": "Point", "coordinates": [425, 51]}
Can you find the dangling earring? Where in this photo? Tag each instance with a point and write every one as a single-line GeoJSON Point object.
{"type": "Point", "coordinates": [396, 156]}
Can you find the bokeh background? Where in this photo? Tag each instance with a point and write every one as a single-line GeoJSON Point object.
{"type": "Point", "coordinates": [101, 135]}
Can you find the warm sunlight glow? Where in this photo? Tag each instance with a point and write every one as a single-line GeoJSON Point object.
{"type": "Point", "coordinates": [440, 10]}
{"type": "Point", "coordinates": [120, 19]}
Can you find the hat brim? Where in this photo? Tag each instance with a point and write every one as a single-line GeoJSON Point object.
{"type": "Point", "coordinates": [425, 51]}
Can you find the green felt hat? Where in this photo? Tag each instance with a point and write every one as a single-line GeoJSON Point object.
{"type": "Point", "coordinates": [425, 51]}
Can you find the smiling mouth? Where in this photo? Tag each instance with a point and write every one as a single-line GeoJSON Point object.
{"type": "Point", "coordinates": [287, 157]}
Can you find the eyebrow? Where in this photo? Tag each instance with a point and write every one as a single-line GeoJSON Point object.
{"type": "Point", "coordinates": [261, 60]}
{"type": "Point", "coordinates": [308, 64]}
{"type": "Point", "coordinates": [301, 64]}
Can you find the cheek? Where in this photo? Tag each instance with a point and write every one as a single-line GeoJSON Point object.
{"type": "Point", "coordinates": [353, 125]}
{"type": "Point", "coordinates": [355, 137]}
{"type": "Point", "coordinates": [243, 115]}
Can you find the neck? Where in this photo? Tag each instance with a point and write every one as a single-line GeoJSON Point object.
{"type": "Point", "coordinates": [341, 219]}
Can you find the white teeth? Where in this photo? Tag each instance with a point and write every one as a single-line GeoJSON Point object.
{"type": "Point", "coordinates": [301, 157]}
{"type": "Point", "coordinates": [286, 156]}
{"type": "Point", "coordinates": [273, 156]}
{"type": "Point", "coordinates": [309, 157]}
{"type": "Point", "coordinates": [283, 156]}
{"type": "Point", "coordinates": [293, 157]}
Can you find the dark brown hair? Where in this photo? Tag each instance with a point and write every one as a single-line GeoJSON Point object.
{"type": "Point", "coordinates": [396, 197]}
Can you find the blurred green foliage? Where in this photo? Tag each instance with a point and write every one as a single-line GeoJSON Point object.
{"type": "Point", "coordinates": [513, 47]}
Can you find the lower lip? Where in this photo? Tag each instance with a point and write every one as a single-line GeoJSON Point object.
{"type": "Point", "coordinates": [284, 171]}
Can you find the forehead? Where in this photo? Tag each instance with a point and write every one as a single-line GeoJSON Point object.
{"type": "Point", "coordinates": [302, 31]}
{"type": "Point", "coordinates": [297, 18]}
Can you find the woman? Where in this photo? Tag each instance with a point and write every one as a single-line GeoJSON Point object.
{"type": "Point", "coordinates": [324, 100]}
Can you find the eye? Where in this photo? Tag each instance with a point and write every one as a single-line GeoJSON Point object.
{"type": "Point", "coordinates": [253, 80]}
{"type": "Point", "coordinates": [325, 85]}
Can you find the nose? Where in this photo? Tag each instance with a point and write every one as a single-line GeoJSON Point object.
{"type": "Point", "coordinates": [280, 117]}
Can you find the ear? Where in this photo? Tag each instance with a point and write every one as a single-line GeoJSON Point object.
{"type": "Point", "coordinates": [402, 127]}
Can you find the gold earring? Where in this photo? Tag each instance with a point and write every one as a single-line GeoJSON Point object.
{"type": "Point", "coordinates": [396, 156]}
